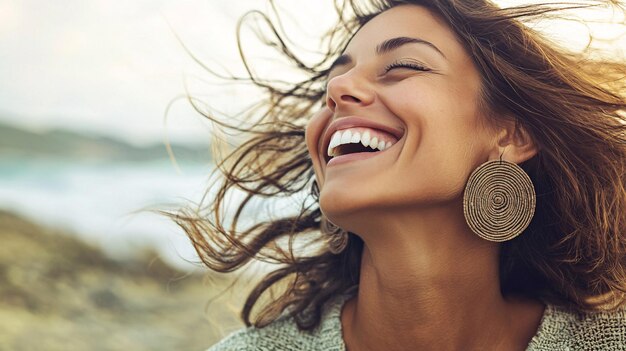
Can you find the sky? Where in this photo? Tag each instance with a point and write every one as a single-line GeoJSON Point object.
{"type": "Point", "coordinates": [113, 66]}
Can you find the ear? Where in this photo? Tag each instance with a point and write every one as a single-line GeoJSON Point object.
{"type": "Point", "coordinates": [516, 143]}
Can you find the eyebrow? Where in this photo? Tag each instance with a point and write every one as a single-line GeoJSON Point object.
{"type": "Point", "coordinates": [387, 46]}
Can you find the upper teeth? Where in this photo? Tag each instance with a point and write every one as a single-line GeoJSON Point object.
{"type": "Point", "coordinates": [368, 137]}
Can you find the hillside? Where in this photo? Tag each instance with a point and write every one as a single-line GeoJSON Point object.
{"type": "Point", "coordinates": [57, 293]}
{"type": "Point", "coordinates": [76, 146]}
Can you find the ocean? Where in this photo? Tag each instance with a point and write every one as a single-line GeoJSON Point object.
{"type": "Point", "coordinates": [106, 204]}
{"type": "Point", "coordinates": [102, 203]}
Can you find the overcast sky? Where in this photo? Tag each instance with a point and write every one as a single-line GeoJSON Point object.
{"type": "Point", "coordinates": [112, 66]}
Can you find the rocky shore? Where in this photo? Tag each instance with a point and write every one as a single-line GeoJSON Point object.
{"type": "Point", "coordinates": [58, 293]}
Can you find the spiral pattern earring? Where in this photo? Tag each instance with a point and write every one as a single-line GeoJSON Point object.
{"type": "Point", "coordinates": [499, 200]}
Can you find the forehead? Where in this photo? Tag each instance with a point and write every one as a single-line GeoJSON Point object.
{"type": "Point", "coordinates": [407, 21]}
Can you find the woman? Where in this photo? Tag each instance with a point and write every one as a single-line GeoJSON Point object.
{"type": "Point", "coordinates": [468, 175]}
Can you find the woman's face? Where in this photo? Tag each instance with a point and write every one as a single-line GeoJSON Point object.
{"type": "Point", "coordinates": [404, 79]}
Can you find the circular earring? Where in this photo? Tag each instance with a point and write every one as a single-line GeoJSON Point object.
{"type": "Point", "coordinates": [337, 237]}
{"type": "Point", "coordinates": [499, 200]}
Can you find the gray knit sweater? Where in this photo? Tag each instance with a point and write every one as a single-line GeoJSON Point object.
{"type": "Point", "coordinates": [559, 330]}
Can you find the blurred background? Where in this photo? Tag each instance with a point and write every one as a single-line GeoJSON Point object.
{"type": "Point", "coordinates": [91, 92]}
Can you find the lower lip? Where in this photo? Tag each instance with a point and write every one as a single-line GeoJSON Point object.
{"type": "Point", "coordinates": [352, 157]}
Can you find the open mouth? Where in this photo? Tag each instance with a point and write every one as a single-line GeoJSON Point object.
{"type": "Point", "coordinates": [358, 140]}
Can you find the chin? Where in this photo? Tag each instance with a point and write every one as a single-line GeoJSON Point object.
{"type": "Point", "coordinates": [345, 206]}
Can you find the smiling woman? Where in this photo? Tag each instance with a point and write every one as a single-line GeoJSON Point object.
{"type": "Point", "coordinates": [466, 175]}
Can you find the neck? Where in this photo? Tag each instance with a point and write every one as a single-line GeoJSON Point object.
{"type": "Point", "coordinates": [428, 283]}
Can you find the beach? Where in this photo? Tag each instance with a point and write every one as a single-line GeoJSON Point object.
{"type": "Point", "coordinates": [60, 293]}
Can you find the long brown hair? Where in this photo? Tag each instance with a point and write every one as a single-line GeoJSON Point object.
{"type": "Point", "coordinates": [572, 103]}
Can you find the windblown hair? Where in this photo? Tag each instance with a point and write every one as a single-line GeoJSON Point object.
{"type": "Point", "coordinates": [572, 103]}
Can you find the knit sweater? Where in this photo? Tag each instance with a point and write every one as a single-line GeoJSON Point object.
{"type": "Point", "coordinates": [559, 330]}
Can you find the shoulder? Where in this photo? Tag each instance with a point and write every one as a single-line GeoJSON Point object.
{"type": "Point", "coordinates": [283, 334]}
{"type": "Point", "coordinates": [564, 329]}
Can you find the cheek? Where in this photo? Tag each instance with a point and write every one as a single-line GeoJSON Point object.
{"type": "Point", "coordinates": [313, 133]}
{"type": "Point", "coordinates": [451, 153]}
{"type": "Point", "coordinates": [314, 128]}
{"type": "Point", "coordinates": [446, 144]}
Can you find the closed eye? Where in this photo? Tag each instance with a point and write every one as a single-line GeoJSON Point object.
{"type": "Point", "coordinates": [406, 64]}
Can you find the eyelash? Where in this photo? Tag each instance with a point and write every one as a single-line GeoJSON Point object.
{"type": "Point", "coordinates": [409, 65]}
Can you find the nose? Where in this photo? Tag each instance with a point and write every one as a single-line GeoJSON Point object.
{"type": "Point", "coordinates": [348, 89]}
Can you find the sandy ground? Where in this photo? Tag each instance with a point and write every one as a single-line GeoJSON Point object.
{"type": "Point", "coordinates": [57, 293]}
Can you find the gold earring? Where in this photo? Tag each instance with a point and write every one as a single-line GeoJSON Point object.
{"type": "Point", "coordinates": [499, 200]}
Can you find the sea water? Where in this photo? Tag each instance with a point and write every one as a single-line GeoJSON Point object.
{"type": "Point", "coordinates": [104, 203]}
{"type": "Point", "coordinates": [107, 204]}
